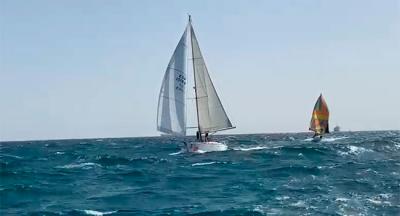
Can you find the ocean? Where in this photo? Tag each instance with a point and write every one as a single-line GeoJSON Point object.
{"type": "Point", "coordinates": [347, 173]}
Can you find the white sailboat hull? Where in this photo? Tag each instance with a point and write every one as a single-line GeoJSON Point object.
{"type": "Point", "coordinates": [202, 147]}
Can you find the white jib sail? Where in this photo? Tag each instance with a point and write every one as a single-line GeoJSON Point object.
{"type": "Point", "coordinates": [171, 116]}
{"type": "Point", "coordinates": [211, 114]}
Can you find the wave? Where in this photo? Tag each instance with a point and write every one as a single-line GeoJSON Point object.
{"type": "Point", "coordinates": [152, 176]}
{"type": "Point", "coordinates": [319, 150]}
{"type": "Point", "coordinates": [327, 139]}
{"type": "Point", "coordinates": [205, 163]}
{"type": "Point", "coordinates": [111, 160]}
{"type": "Point", "coordinates": [341, 199]}
{"type": "Point", "coordinates": [11, 156]}
{"type": "Point", "coordinates": [87, 165]}
{"type": "Point", "coordinates": [134, 173]}
{"type": "Point", "coordinates": [6, 173]}
{"type": "Point", "coordinates": [332, 139]}
{"type": "Point", "coordinates": [75, 212]}
{"type": "Point", "coordinates": [255, 212]}
{"type": "Point", "coordinates": [358, 150]}
{"type": "Point", "coordinates": [251, 148]}
{"type": "Point", "coordinates": [299, 203]}
{"type": "Point", "coordinates": [379, 202]}
{"type": "Point", "coordinates": [97, 213]}
{"type": "Point", "coordinates": [280, 198]}
{"type": "Point", "coordinates": [235, 149]}
{"type": "Point", "coordinates": [355, 150]}
{"type": "Point", "coordinates": [289, 170]}
{"type": "Point", "coordinates": [25, 189]}
{"type": "Point", "coordinates": [47, 213]}
{"type": "Point", "coordinates": [149, 160]}
{"type": "Point", "coordinates": [178, 153]}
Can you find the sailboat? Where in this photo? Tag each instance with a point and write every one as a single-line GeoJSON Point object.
{"type": "Point", "coordinates": [171, 113]}
{"type": "Point", "coordinates": [336, 128]}
{"type": "Point", "coordinates": [320, 119]}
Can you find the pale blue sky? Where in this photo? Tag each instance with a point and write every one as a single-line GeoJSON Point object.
{"type": "Point", "coordinates": [75, 69]}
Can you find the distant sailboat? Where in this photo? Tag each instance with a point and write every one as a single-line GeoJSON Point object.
{"type": "Point", "coordinates": [320, 119]}
{"type": "Point", "coordinates": [171, 116]}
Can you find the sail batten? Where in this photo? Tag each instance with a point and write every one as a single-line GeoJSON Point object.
{"type": "Point", "coordinates": [211, 114]}
{"type": "Point", "coordinates": [320, 117]}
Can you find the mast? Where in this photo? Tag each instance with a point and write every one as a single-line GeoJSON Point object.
{"type": "Point", "coordinates": [194, 76]}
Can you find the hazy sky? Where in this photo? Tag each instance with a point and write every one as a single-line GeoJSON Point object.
{"type": "Point", "coordinates": [75, 69]}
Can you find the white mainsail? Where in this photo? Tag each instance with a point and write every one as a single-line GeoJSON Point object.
{"type": "Point", "coordinates": [210, 112]}
{"type": "Point", "coordinates": [171, 115]}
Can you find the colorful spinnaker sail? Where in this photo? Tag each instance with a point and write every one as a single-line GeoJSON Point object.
{"type": "Point", "coordinates": [320, 117]}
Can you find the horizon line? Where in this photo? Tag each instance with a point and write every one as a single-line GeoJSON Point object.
{"type": "Point", "coordinates": [89, 138]}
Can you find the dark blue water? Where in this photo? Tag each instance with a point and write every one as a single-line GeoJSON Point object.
{"type": "Point", "coordinates": [267, 174]}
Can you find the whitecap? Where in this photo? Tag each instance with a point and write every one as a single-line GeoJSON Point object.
{"type": "Point", "coordinates": [380, 199]}
{"type": "Point", "coordinates": [259, 209]}
{"type": "Point", "coordinates": [282, 198]}
{"type": "Point", "coordinates": [205, 163]}
{"type": "Point", "coordinates": [80, 165]}
{"type": "Point", "coordinates": [357, 150]}
{"type": "Point", "coordinates": [177, 153]}
{"type": "Point", "coordinates": [385, 196]}
{"type": "Point", "coordinates": [341, 199]}
{"type": "Point", "coordinates": [374, 201]}
{"type": "Point", "coordinates": [396, 144]}
{"type": "Point", "coordinates": [97, 213]}
{"type": "Point", "coordinates": [299, 203]}
{"type": "Point", "coordinates": [250, 149]}
{"type": "Point", "coordinates": [327, 139]}
{"type": "Point", "coordinates": [332, 139]}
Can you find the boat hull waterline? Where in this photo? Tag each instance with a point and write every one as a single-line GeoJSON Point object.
{"type": "Point", "coordinates": [316, 139]}
{"type": "Point", "coordinates": [202, 147]}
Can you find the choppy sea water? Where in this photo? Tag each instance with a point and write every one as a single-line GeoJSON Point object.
{"type": "Point", "coordinates": [351, 173]}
